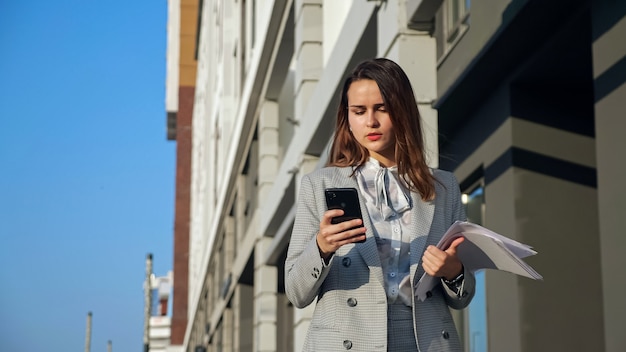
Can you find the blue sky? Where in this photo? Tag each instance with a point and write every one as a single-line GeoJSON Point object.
{"type": "Point", "coordinates": [86, 172]}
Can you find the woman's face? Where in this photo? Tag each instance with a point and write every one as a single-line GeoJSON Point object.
{"type": "Point", "coordinates": [370, 122]}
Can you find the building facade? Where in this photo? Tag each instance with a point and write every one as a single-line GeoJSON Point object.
{"type": "Point", "coordinates": [522, 99]}
{"type": "Point", "coordinates": [160, 322]}
{"type": "Point", "coordinates": [179, 100]}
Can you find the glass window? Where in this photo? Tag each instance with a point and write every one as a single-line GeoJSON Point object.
{"type": "Point", "coordinates": [476, 332]}
{"type": "Point", "coordinates": [457, 17]}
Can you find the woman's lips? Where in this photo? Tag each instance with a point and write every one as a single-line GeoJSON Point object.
{"type": "Point", "coordinates": [373, 136]}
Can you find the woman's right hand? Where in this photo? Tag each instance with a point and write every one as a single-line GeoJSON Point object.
{"type": "Point", "coordinates": [332, 236]}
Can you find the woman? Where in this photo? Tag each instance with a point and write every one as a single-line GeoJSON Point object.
{"type": "Point", "coordinates": [364, 291]}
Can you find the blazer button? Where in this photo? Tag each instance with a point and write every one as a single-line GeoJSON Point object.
{"type": "Point", "coordinates": [429, 294]}
{"type": "Point", "coordinates": [445, 335]}
{"type": "Point", "coordinates": [316, 273]}
{"type": "Point", "coordinates": [347, 344]}
{"type": "Point", "coordinates": [352, 302]}
{"type": "Point", "coordinates": [346, 262]}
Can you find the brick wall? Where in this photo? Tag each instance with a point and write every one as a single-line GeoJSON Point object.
{"type": "Point", "coordinates": [181, 217]}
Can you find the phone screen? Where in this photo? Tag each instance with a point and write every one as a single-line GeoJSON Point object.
{"type": "Point", "coordinates": [346, 199]}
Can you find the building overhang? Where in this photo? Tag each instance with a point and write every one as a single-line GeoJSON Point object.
{"type": "Point", "coordinates": [421, 13]}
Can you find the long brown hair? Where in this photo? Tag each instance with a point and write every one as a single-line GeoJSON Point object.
{"type": "Point", "coordinates": [400, 103]}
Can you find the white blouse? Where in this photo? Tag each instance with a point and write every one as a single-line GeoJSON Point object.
{"type": "Point", "coordinates": [388, 203]}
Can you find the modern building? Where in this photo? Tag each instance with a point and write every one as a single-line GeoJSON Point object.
{"type": "Point", "coordinates": [157, 308]}
{"type": "Point", "coordinates": [523, 100]}
{"type": "Point", "coordinates": [159, 333]}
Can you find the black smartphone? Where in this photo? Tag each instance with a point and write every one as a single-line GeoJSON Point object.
{"type": "Point", "coordinates": [346, 199]}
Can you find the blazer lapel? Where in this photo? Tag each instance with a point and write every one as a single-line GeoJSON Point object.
{"type": "Point", "coordinates": [421, 220]}
{"type": "Point", "coordinates": [369, 249]}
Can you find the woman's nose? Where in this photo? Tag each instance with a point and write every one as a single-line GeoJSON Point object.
{"type": "Point", "coordinates": [371, 119]}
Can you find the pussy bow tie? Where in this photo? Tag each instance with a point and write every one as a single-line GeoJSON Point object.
{"type": "Point", "coordinates": [390, 196]}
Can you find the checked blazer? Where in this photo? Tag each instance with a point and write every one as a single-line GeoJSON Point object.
{"type": "Point", "coordinates": [351, 303]}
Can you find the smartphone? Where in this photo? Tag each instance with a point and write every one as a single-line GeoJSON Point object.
{"type": "Point", "coordinates": [346, 199]}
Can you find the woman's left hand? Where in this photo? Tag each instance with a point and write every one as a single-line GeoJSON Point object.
{"type": "Point", "coordinates": [446, 264]}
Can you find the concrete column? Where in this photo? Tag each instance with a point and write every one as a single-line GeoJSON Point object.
{"type": "Point", "coordinates": [268, 148]}
{"type": "Point", "coordinates": [335, 14]}
{"type": "Point", "coordinates": [302, 317]}
{"type": "Point", "coordinates": [218, 271]}
{"type": "Point", "coordinates": [229, 253]}
{"type": "Point", "coordinates": [309, 57]}
{"type": "Point", "coordinates": [229, 243]}
{"type": "Point", "coordinates": [240, 208]}
{"type": "Point", "coordinates": [227, 330]}
{"type": "Point", "coordinates": [242, 303]}
{"type": "Point", "coordinates": [307, 164]}
{"type": "Point", "coordinates": [236, 307]}
{"type": "Point", "coordinates": [285, 324]}
{"type": "Point", "coordinates": [265, 303]}
{"type": "Point", "coordinates": [246, 316]}
{"type": "Point", "coordinates": [265, 277]}
{"type": "Point", "coordinates": [301, 321]}
{"type": "Point", "coordinates": [207, 304]}
{"type": "Point", "coordinates": [416, 52]}
{"type": "Point", "coordinates": [308, 50]}
{"type": "Point", "coordinates": [609, 63]}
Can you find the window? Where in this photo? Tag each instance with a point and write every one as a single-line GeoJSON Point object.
{"type": "Point", "coordinates": [456, 18]}
{"type": "Point", "coordinates": [476, 316]}
{"type": "Point", "coordinates": [453, 21]}
{"type": "Point", "coordinates": [471, 323]}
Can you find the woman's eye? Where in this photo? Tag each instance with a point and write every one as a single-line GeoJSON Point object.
{"type": "Point", "coordinates": [358, 112]}
{"type": "Point", "coordinates": [382, 109]}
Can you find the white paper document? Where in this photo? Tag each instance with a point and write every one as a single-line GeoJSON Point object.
{"type": "Point", "coordinates": [482, 249]}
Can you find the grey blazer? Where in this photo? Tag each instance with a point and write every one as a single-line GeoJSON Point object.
{"type": "Point", "coordinates": [351, 309]}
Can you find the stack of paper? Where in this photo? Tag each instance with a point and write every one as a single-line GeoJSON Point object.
{"type": "Point", "coordinates": [482, 249]}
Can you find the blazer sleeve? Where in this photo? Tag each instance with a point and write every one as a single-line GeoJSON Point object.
{"type": "Point", "coordinates": [304, 268]}
{"type": "Point", "coordinates": [463, 299]}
